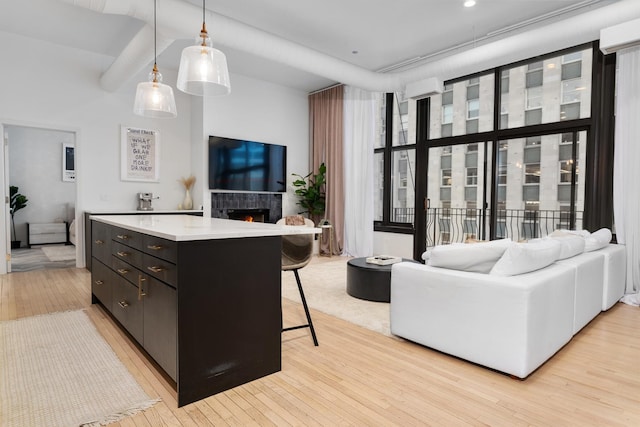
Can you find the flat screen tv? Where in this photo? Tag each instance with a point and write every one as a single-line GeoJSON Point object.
{"type": "Point", "coordinates": [246, 165]}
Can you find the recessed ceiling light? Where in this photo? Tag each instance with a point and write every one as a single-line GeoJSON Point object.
{"type": "Point", "coordinates": [469, 3]}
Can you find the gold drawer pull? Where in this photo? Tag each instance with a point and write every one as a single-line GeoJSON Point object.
{"type": "Point", "coordinates": [99, 282]}
{"type": "Point", "coordinates": [99, 242]}
{"type": "Point", "coordinates": [123, 254]}
{"type": "Point", "coordinates": [123, 304]}
{"type": "Point", "coordinates": [156, 269]}
{"type": "Point", "coordinates": [122, 236]}
{"type": "Point", "coordinates": [155, 247]}
{"type": "Point", "coordinates": [123, 271]}
{"type": "Point", "coordinates": [141, 293]}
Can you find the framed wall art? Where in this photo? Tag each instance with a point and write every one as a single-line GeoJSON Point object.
{"type": "Point", "coordinates": [140, 152]}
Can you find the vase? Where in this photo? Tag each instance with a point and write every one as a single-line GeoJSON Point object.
{"type": "Point", "coordinates": [188, 202]}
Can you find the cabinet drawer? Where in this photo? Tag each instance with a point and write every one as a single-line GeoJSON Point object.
{"type": "Point", "coordinates": [126, 271]}
{"type": "Point", "coordinates": [160, 269]}
{"type": "Point", "coordinates": [126, 254]}
{"type": "Point", "coordinates": [160, 248]}
{"type": "Point", "coordinates": [127, 237]}
{"type": "Point", "coordinates": [126, 307]}
{"type": "Point", "coordinates": [101, 242]}
{"type": "Point", "coordinates": [102, 280]}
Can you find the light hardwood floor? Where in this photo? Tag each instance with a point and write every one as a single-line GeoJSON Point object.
{"type": "Point", "coordinates": [358, 377]}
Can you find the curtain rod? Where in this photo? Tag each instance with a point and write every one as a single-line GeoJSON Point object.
{"type": "Point", "coordinates": [326, 88]}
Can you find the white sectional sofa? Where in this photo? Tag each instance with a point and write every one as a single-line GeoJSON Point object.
{"type": "Point", "coordinates": [505, 305]}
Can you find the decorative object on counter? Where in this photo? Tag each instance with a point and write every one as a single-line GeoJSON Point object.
{"type": "Point", "coordinates": [311, 189]}
{"type": "Point", "coordinates": [187, 183]}
{"type": "Point", "coordinates": [153, 98]}
{"type": "Point", "coordinates": [140, 154]}
{"type": "Point", "coordinates": [203, 69]}
{"type": "Point", "coordinates": [144, 201]}
{"type": "Point", "coordinates": [17, 202]}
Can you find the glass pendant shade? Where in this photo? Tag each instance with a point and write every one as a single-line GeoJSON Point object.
{"type": "Point", "coordinates": [203, 71]}
{"type": "Point", "coordinates": [155, 99]}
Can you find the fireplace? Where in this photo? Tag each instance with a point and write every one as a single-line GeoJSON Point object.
{"type": "Point", "coordinates": [263, 207]}
{"type": "Point", "coordinates": [250, 215]}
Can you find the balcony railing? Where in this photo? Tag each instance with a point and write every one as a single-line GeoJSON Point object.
{"type": "Point", "coordinates": [404, 215]}
{"type": "Point", "coordinates": [458, 225]}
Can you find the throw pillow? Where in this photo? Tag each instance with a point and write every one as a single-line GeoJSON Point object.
{"type": "Point", "coordinates": [294, 220]}
{"type": "Point", "coordinates": [597, 240]}
{"type": "Point", "coordinates": [477, 257]}
{"type": "Point", "coordinates": [570, 245]}
{"type": "Point", "coordinates": [525, 257]}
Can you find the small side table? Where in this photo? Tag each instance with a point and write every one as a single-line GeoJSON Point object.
{"type": "Point", "coordinates": [325, 224]}
{"type": "Point", "coordinates": [370, 282]}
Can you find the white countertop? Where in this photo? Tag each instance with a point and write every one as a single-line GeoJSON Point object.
{"type": "Point", "coordinates": [138, 212]}
{"type": "Point", "coordinates": [189, 227]}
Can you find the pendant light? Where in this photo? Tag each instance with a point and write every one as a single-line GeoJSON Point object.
{"type": "Point", "coordinates": [153, 98]}
{"type": "Point", "coordinates": [203, 69]}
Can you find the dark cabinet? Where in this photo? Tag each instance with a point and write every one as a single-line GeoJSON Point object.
{"type": "Point", "coordinates": [127, 308]}
{"type": "Point", "coordinates": [138, 289]}
{"type": "Point", "coordinates": [209, 320]}
{"type": "Point", "coordinates": [101, 243]}
{"type": "Point", "coordinates": [160, 326]}
{"type": "Point", "coordinates": [102, 281]}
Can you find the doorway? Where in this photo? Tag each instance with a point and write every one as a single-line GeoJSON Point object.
{"type": "Point", "coordinates": [39, 165]}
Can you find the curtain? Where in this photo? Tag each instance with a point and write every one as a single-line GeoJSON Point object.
{"type": "Point", "coordinates": [359, 135]}
{"type": "Point", "coordinates": [626, 174]}
{"type": "Point", "coordinates": [326, 133]}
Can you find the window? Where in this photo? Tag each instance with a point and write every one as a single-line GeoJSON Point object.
{"type": "Point", "coordinates": [394, 194]}
{"type": "Point", "coordinates": [472, 176]}
{"type": "Point", "coordinates": [566, 169]}
{"type": "Point", "coordinates": [473, 109]}
{"type": "Point", "coordinates": [446, 177]}
{"type": "Point", "coordinates": [532, 173]}
{"type": "Point", "coordinates": [534, 97]}
{"type": "Point", "coordinates": [532, 170]}
{"type": "Point", "coordinates": [571, 90]}
{"type": "Point", "coordinates": [542, 93]}
{"type": "Point", "coordinates": [447, 114]}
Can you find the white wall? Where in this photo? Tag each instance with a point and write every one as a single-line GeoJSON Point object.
{"type": "Point", "coordinates": [264, 112]}
{"type": "Point", "coordinates": [35, 166]}
{"type": "Point", "coordinates": [50, 86]}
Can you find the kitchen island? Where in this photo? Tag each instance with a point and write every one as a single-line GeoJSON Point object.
{"type": "Point", "coordinates": [201, 296]}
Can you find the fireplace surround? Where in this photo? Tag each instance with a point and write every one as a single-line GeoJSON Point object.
{"type": "Point", "coordinates": [261, 206]}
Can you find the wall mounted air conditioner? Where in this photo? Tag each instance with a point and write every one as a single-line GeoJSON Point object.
{"type": "Point", "coordinates": [620, 36]}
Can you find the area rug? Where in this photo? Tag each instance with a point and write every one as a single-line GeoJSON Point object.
{"type": "Point", "coordinates": [60, 252]}
{"type": "Point", "coordinates": [324, 281]}
{"type": "Point", "coordinates": [57, 370]}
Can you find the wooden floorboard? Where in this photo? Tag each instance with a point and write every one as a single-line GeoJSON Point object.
{"type": "Point", "coordinates": [359, 377]}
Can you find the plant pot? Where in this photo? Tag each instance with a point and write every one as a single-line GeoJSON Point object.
{"type": "Point", "coordinates": [15, 244]}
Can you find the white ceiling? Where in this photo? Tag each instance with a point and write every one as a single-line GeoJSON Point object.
{"type": "Point", "coordinates": [373, 34]}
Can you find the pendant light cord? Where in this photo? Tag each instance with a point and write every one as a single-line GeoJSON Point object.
{"type": "Point", "coordinates": [155, 34]}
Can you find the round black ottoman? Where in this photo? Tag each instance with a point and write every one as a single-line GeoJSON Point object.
{"type": "Point", "coordinates": [370, 282]}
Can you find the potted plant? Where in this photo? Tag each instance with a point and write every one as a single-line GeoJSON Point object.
{"type": "Point", "coordinates": [17, 202]}
{"type": "Point", "coordinates": [311, 189]}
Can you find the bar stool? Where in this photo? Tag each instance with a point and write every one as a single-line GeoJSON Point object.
{"type": "Point", "coordinates": [325, 224]}
{"type": "Point", "coordinates": [296, 253]}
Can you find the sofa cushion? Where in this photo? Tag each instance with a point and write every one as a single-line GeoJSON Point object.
{"type": "Point", "coordinates": [476, 257]}
{"type": "Point", "coordinates": [570, 245]}
{"type": "Point", "coordinates": [597, 240]}
{"type": "Point", "coordinates": [524, 257]}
